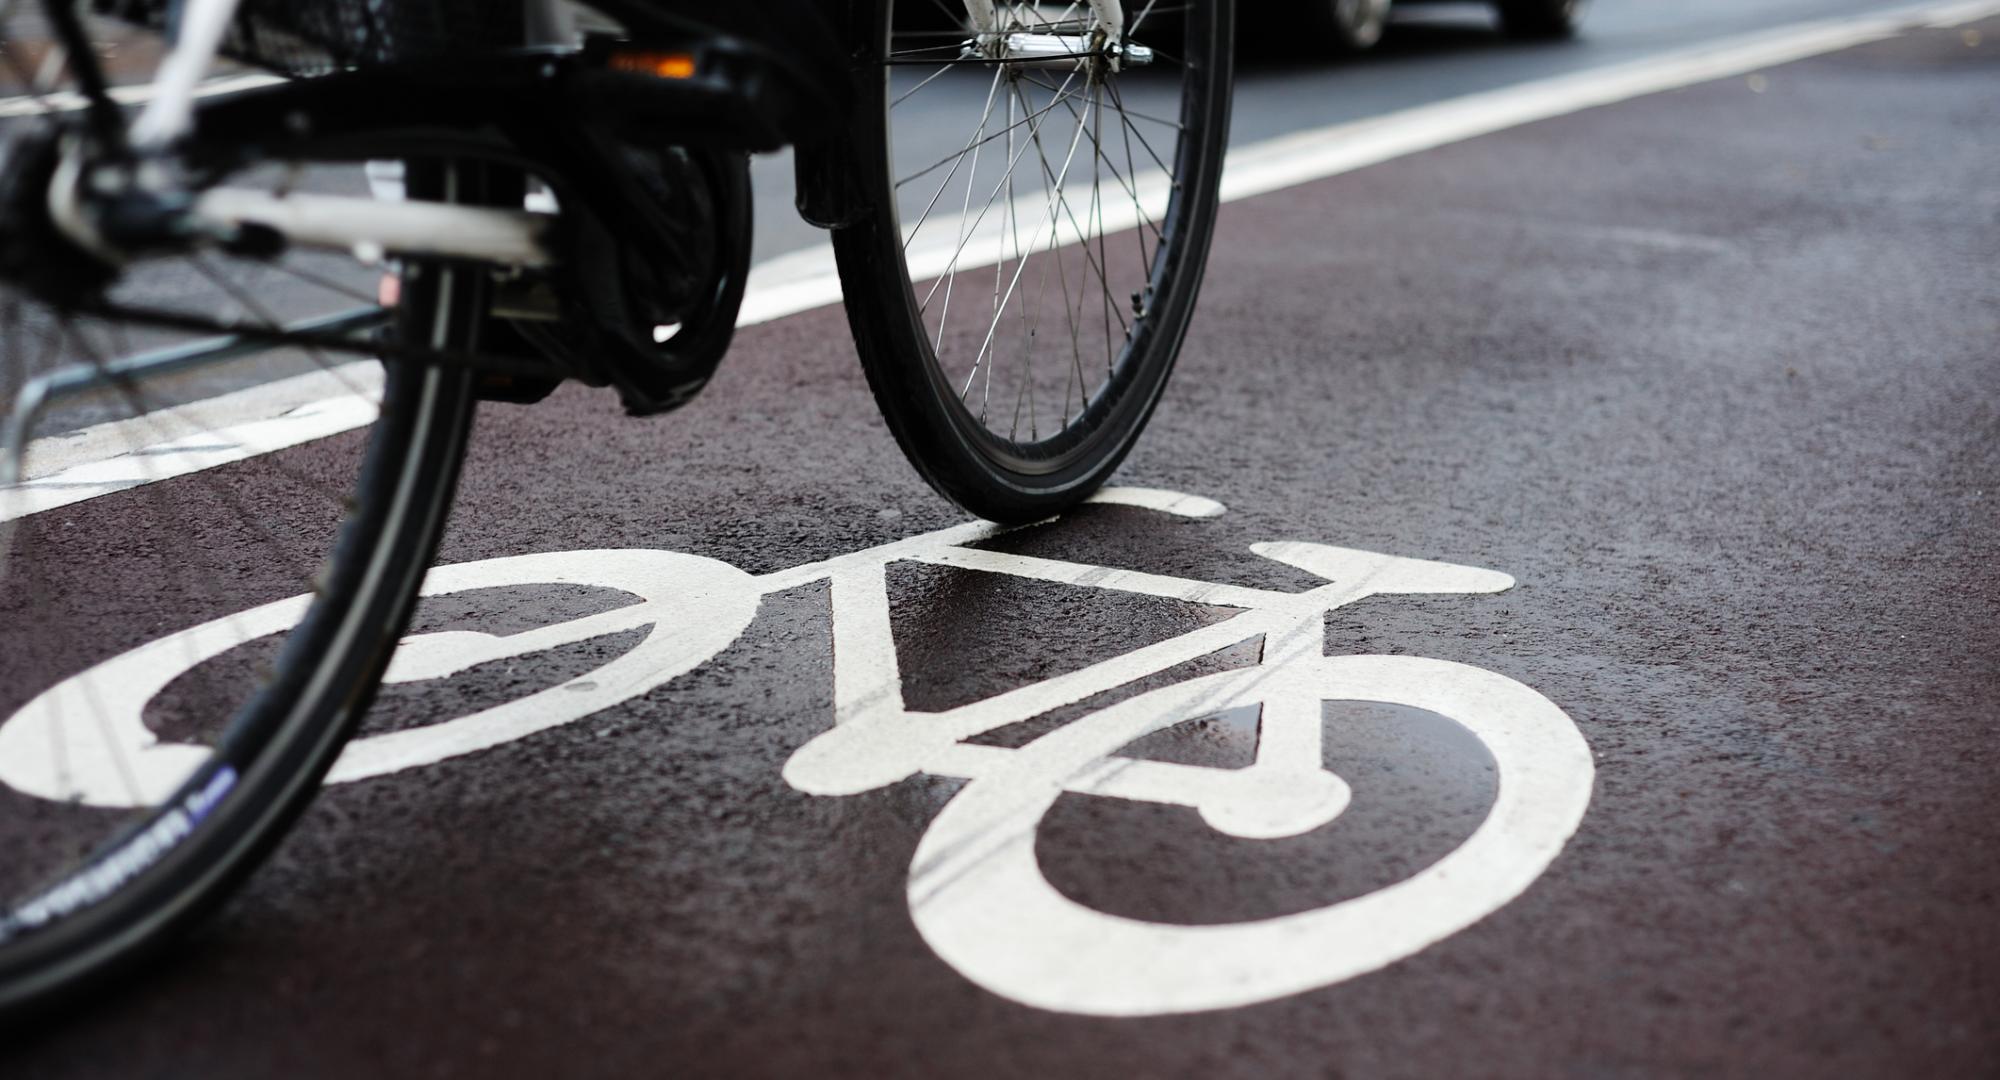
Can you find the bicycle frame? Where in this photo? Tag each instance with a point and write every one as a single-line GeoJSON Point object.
{"type": "Point", "coordinates": [169, 115]}
{"type": "Point", "coordinates": [364, 226]}
{"type": "Point", "coordinates": [373, 228]}
{"type": "Point", "coordinates": [369, 227]}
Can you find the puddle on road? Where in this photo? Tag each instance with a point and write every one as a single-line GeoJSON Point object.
{"type": "Point", "coordinates": [1422, 784]}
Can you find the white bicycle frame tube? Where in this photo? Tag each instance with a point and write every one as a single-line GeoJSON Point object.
{"type": "Point", "coordinates": [168, 116]}
{"type": "Point", "coordinates": [982, 17]}
{"type": "Point", "coordinates": [373, 228]}
{"type": "Point", "coordinates": [203, 22]}
{"type": "Point", "coordinates": [1111, 16]}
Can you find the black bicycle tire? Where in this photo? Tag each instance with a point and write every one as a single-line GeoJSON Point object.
{"type": "Point", "coordinates": [935, 431]}
{"type": "Point", "coordinates": [286, 737]}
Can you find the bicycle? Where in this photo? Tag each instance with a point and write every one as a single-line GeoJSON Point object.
{"type": "Point", "coordinates": [976, 891]}
{"type": "Point", "coordinates": [493, 206]}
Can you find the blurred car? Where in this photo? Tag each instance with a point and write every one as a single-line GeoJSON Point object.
{"type": "Point", "coordinates": [1354, 25]}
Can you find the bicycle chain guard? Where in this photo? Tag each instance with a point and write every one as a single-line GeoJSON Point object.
{"type": "Point", "coordinates": [655, 280]}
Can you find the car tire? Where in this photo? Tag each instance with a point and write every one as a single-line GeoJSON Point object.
{"type": "Point", "coordinates": [1539, 20]}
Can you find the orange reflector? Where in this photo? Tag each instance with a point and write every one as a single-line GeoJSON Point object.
{"type": "Point", "coordinates": [660, 65]}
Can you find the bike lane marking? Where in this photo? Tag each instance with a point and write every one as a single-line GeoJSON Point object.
{"type": "Point", "coordinates": [976, 892]}
{"type": "Point", "coordinates": [79, 466]}
{"type": "Point", "coordinates": [803, 280]}
{"type": "Point", "coordinates": [695, 607]}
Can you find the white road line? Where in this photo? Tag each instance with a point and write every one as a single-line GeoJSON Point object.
{"type": "Point", "coordinates": [67, 469]}
{"type": "Point", "coordinates": [806, 279]}
{"type": "Point", "coordinates": [68, 101]}
{"type": "Point", "coordinates": [803, 280]}
{"type": "Point", "coordinates": [1311, 155]}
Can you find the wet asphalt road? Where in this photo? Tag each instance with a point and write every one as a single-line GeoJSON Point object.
{"type": "Point", "coordinates": [1712, 374]}
{"type": "Point", "coordinates": [1429, 52]}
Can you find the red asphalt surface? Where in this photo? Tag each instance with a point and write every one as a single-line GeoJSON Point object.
{"type": "Point", "coordinates": [1715, 374]}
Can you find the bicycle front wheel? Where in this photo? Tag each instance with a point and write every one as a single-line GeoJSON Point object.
{"type": "Point", "coordinates": [1043, 198]}
{"type": "Point", "coordinates": [129, 807]}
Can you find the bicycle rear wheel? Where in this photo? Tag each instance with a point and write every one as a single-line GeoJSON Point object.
{"type": "Point", "coordinates": [122, 821]}
{"type": "Point", "coordinates": [1043, 209]}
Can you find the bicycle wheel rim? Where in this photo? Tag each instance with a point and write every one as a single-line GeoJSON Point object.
{"type": "Point", "coordinates": [163, 862]}
{"type": "Point", "coordinates": [1101, 418]}
{"type": "Point", "coordinates": [282, 741]}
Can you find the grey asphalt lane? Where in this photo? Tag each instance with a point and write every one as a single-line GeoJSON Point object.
{"type": "Point", "coordinates": [1431, 52]}
{"type": "Point", "coordinates": [1712, 374]}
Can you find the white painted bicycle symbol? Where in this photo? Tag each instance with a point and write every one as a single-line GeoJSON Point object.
{"type": "Point", "coordinates": [976, 892]}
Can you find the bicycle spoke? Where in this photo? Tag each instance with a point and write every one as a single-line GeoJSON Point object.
{"type": "Point", "coordinates": [1097, 208]}
{"type": "Point", "coordinates": [1119, 102]}
{"type": "Point", "coordinates": [1145, 258]}
{"type": "Point", "coordinates": [949, 9]}
{"type": "Point", "coordinates": [970, 145]}
{"type": "Point", "coordinates": [168, 491]}
{"type": "Point", "coordinates": [1125, 182]}
{"type": "Point", "coordinates": [1005, 181]}
{"type": "Point", "coordinates": [1053, 187]}
{"type": "Point", "coordinates": [1127, 110]}
{"type": "Point", "coordinates": [1096, 265]}
{"type": "Point", "coordinates": [1052, 224]}
{"type": "Point", "coordinates": [932, 77]}
{"type": "Point", "coordinates": [948, 158]}
{"type": "Point", "coordinates": [1098, 261]}
{"type": "Point", "coordinates": [1049, 241]}
{"type": "Point", "coordinates": [965, 208]}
